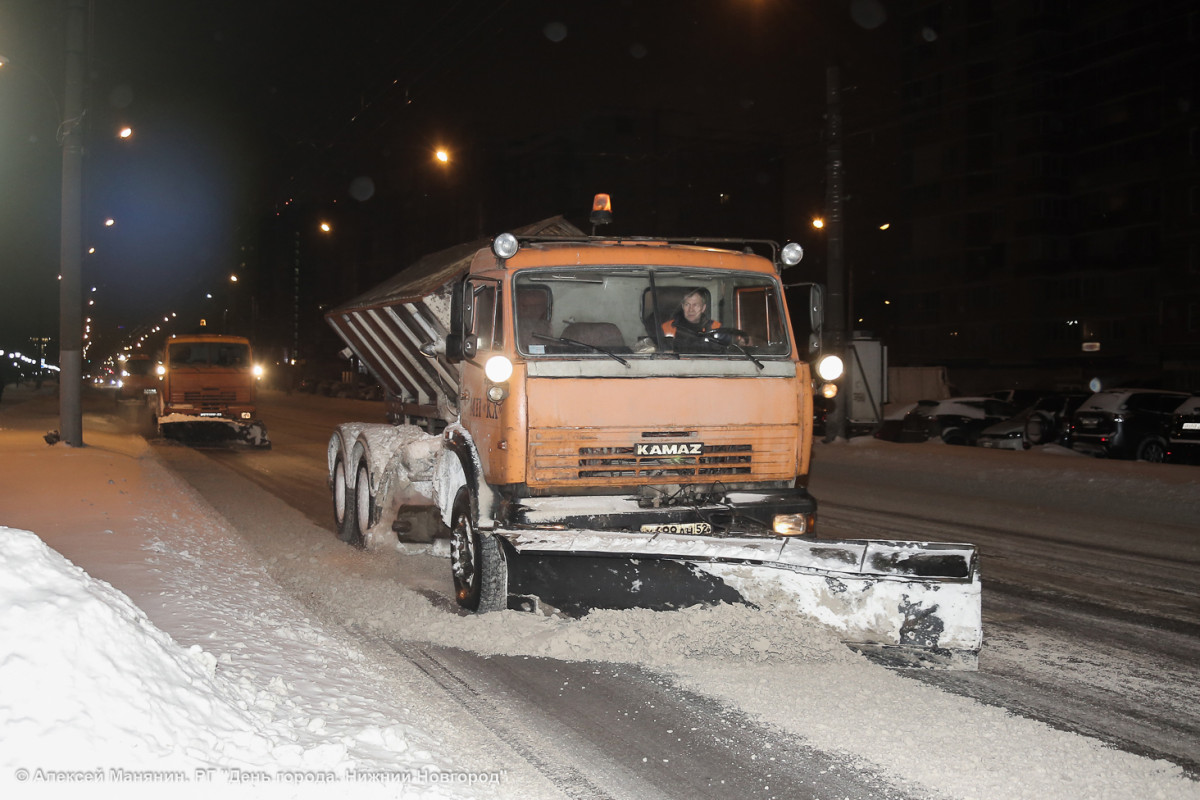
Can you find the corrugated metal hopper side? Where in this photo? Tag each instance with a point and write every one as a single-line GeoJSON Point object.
{"type": "Point", "coordinates": [386, 326]}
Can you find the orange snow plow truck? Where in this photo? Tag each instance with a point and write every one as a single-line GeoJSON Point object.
{"type": "Point", "coordinates": [610, 422]}
{"type": "Point", "coordinates": [208, 390]}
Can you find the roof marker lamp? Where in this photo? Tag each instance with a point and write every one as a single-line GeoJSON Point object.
{"type": "Point", "coordinates": [505, 246]}
{"type": "Point", "coordinates": [791, 254]}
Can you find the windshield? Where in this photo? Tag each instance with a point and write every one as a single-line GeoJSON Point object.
{"type": "Point", "coordinates": [209, 354]}
{"type": "Point", "coordinates": [644, 311]}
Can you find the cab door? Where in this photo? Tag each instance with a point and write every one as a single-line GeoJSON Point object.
{"type": "Point", "coordinates": [484, 328]}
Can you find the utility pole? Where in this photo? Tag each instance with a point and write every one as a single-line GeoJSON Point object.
{"type": "Point", "coordinates": [70, 332]}
{"type": "Point", "coordinates": [835, 308]}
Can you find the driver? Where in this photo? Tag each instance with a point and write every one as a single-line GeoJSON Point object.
{"type": "Point", "coordinates": [692, 316]}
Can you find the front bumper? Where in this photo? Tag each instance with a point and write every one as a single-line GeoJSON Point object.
{"type": "Point", "coordinates": [1002, 442]}
{"type": "Point", "coordinates": [735, 513]}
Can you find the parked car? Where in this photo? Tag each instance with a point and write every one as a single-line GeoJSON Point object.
{"type": "Point", "coordinates": [1183, 434]}
{"type": "Point", "coordinates": [1125, 423]}
{"type": "Point", "coordinates": [1044, 422]}
{"type": "Point", "coordinates": [958, 420]}
{"type": "Point", "coordinates": [822, 406]}
{"type": "Point", "coordinates": [892, 428]}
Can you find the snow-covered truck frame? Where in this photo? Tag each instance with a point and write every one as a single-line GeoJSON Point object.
{"type": "Point", "coordinates": [583, 458]}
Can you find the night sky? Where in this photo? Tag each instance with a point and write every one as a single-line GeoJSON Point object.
{"type": "Point", "coordinates": [239, 107]}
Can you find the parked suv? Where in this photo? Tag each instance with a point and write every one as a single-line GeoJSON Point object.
{"type": "Point", "coordinates": [1184, 432]}
{"type": "Point", "coordinates": [1125, 423]}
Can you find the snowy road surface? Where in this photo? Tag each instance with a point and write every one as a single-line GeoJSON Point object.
{"type": "Point", "coordinates": [357, 655]}
{"type": "Point", "coordinates": [1091, 574]}
{"type": "Point", "coordinates": [1091, 618]}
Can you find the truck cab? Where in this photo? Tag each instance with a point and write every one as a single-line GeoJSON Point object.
{"type": "Point", "coordinates": [575, 384]}
{"type": "Point", "coordinates": [210, 378]}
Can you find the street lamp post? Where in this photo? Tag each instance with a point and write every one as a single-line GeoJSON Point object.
{"type": "Point", "coordinates": [70, 334]}
{"type": "Point", "coordinates": [835, 308]}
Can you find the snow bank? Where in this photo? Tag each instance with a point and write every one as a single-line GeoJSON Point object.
{"type": "Point", "coordinates": [91, 691]}
{"type": "Point", "coordinates": [88, 679]}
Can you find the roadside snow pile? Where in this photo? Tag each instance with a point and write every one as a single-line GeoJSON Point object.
{"type": "Point", "coordinates": [86, 678]}
{"type": "Point", "coordinates": [92, 691]}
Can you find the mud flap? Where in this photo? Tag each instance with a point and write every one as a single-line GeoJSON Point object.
{"type": "Point", "coordinates": [903, 603]}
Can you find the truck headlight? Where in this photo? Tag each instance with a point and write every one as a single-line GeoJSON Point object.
{"type": "Point", "coordinates": [793, 524]}
{"type": "Point", "coordinates": [498, 369]}
{"type": "Point", "coordinates": [160, 369]}
{"type": "Point", "coordinates": [830, 368]}
{"type": "Point", "coordinates": [258, 370]}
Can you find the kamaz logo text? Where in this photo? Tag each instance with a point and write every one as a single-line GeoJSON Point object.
{"type": "Point", "coordinates": [694, 449]}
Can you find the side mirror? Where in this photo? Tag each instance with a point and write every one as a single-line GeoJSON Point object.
{"type": "Point", "coordinates": [459, 343]}
{"type": "Point", "coordinates": [816, 306]}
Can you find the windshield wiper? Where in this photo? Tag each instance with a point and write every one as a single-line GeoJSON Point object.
{"type": "Point", "coordinates": [723, 337]}
{"type": "Point", "coordinates": [565, 340]}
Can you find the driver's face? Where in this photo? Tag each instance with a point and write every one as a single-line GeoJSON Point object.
{"type": "Point", "coordinates": [693, 308]}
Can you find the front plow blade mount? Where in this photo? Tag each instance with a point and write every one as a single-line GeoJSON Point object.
{"type": "Point", "coordinates": [903, 603]}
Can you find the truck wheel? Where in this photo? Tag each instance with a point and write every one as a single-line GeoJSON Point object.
{"type": "Point", "coordinates": [364, 505]}
{"type": "Point", "coordinates": [1153, 450]}
{"type": "Point", "coordinates": [476, 563]}
{"type": "Point", "coordinates": [1036, 429]}
{"type": "Point", "coordinates": [343, 503]}
{"type": "Point", "coordinates": [955, 436]}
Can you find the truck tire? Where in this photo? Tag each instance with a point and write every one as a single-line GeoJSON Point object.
{"type": "Point", "coordinates": [344, 517]}
{"type": "Point", "coordinates": [364, 504]}
{"type": "Point", "coordinates": [1153, 450]}
{"type": "Point", "coordinates": [476, 562]}
{"type": "Point", "coordinates": [955, 436]}
{"type": "Point", "coordinates": [1039, 429]}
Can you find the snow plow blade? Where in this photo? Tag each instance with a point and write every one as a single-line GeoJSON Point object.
{"type": "Point", "coordinates": [911, 604]}
{"type": "Point", "coordinates": [214, 431]}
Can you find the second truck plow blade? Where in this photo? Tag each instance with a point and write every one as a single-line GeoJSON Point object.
{"type": "Point", "coordinates": [905, 603]}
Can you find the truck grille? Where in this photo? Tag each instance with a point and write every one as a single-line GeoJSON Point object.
{"type": "Point", "coordinates": [610, 457]}
{"type": "Point", "coordinates": [210, 400]}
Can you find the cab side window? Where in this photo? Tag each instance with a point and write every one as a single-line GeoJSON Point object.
{"type": "Point", "coordinates": [758, 315]}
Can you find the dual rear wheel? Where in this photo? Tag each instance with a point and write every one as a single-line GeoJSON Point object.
{"type": "Point", "coordinates": [352, 506]}
{"type": "Point", "coordinates": [477, 561]}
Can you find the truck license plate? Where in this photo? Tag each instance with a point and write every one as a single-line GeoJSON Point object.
{"type": "Point", "coordinates": [694, 528]}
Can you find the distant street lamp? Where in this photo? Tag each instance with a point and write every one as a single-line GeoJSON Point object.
{"type": "Point", "coordinates": [442, 155]}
